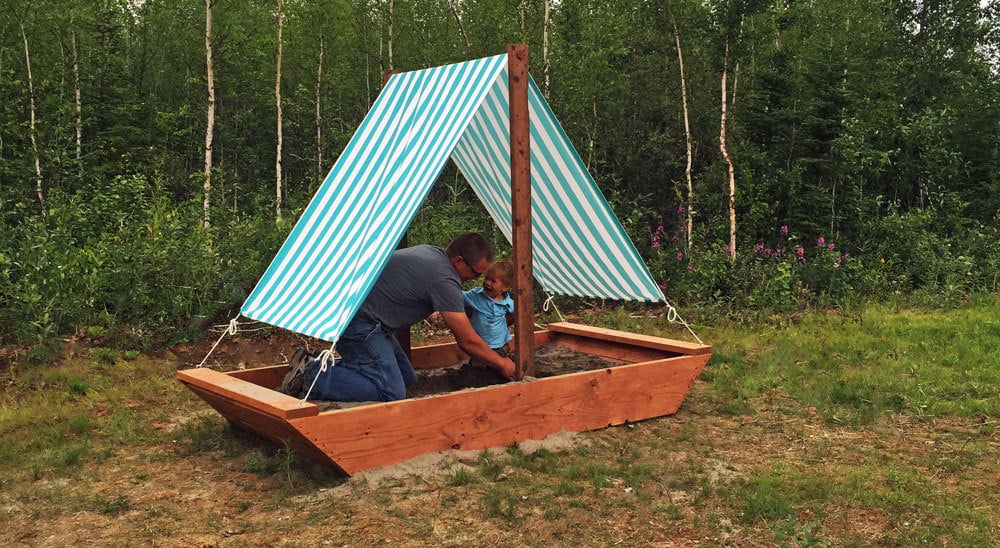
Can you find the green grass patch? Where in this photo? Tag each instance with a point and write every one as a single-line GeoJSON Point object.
{"type": "Point", "coordinates": [874, 427]}
{"type": "Point", "coordinates": [859, 366]}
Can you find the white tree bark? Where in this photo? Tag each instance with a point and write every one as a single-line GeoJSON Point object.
{"type": "Point", "coordinates": [592, 135]}
{"type": "Point", "coordinates": [687, 138]}
{"type": "Point", "coordinates": [368, 63]}
{"type": "Point", "coordinates": [392, 9]}
{"type": "Point", "coordinates": [545, 47]}
{"type": "Point", "coordinates": [277, 102]}
{"type": "Point", "coordinates": [209, 116]}
{"type": "Point", "coordinates": [78, 104]}
{"type": "Point", "coordinates": [34, 139]}
{"type": "Point", "coordinates": [461, 29]}
{"type": "Point", "coordinates": [729, 161]}
{"type": "Point", "coordinates": [524, 26]}
{"type": "Point", "coordinates": [319, 115]}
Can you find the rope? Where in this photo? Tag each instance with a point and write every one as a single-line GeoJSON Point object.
{"type": "Point", "coordinates": [550, 301]}
{"type": "Point", "coordinates": [323, 357]}
{"type": "Point", "coordinates": [244, 328]}
{"type": "Point", "coordinates": [230, 330]}
{"type": "Point", "coordinates": [674, 317]}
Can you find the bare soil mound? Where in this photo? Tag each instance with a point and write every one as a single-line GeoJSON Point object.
{"type": "Point", "coordinates": [550, 360]}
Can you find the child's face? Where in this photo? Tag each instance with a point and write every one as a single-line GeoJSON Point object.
{"type": "Point", "coordinates": [492, 285]}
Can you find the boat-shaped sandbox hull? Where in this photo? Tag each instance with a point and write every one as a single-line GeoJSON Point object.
{"type": "Point", "coordinates": [656, 377]}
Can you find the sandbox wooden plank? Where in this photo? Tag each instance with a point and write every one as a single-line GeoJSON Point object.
{"type": "Point", "coordinates": [648, 341]}
{"type": "Point", "coordinates": [268, 377]}
{"type": "Point", "coordinates": [365, 437]}
{"type": "Point", "coordinates": [248, 394]}
{"type": "Point", "coordinates": [612, 350]}
{"type": "Point", "coordinates": [265, 425]}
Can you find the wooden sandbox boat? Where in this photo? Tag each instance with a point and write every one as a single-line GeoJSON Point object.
{"type": "Point", "coordinates": [657, 375]}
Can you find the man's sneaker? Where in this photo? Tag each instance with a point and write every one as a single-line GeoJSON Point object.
{"type": "Point", "coordinates": [292, 383]}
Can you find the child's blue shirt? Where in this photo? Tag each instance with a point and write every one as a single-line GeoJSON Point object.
{"type": "Point", "coordinates": [489, 317]}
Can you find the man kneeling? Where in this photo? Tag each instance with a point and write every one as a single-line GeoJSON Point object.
{"type": "Point", "coordinates": [416, 282]}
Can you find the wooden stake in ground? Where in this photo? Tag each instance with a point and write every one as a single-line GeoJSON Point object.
{"type": "Point", "coordinates": [520, 194]}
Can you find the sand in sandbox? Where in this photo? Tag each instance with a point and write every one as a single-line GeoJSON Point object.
{"type": "Point", "coordinates": [550, 360]}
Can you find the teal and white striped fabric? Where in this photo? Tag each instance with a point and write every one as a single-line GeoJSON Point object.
{"type": "Point", "coordinates": [333, 256]}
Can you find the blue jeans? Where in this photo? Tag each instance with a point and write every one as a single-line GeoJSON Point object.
{"type": "Point", "coordinates": [373, 368]}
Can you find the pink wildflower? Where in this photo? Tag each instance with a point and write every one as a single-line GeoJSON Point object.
{"type": "Point", "coordinates": [830, 246]}
{"type": "Point", "coordinates": [680, 256]}
{"type": "Point", "coordinates": [784, 230]}
{"type": "Point", "coordinates": [821, 241]}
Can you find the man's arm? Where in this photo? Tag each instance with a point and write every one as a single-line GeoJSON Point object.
{"type": "Point", "coordinates": [472, 344]}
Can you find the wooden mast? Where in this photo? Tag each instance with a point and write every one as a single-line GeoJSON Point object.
{"type": "Point", "coordinates": [520, 194]}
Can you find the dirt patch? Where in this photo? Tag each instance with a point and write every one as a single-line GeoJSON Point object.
{"type": "Point", "coordinates": [550, 360]}
{"type": "Point", "coordinates": [264, 347]}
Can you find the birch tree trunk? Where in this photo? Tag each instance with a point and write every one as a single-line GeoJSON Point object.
{"type": "Point", "coordinates": [592, 137]}
{"type": "Point", "coordinates": [461, 29]}
{"type": "Point", "coordinates": [277, 102]}
{"type": "Point", "coordinates": [319, 116]}
{"type": "Point", "coordinates": [729, 161]}
{"type": "Point", "coordinates": [1, 133]}
{"type": "Point", "coordinates": [545, 48]}
{"type": "Point", "coordinates": [524, 26]}
{"type": "Point", "coordinates": [34, 140]}
{"type": "Point", "coordinates": [210, 115]}
{"type": "Point", "coordinates": [392, 9]}
{"type": "Point", "coordinates": [78, 104]}
{"type": "Point", "coordinates": [687, 138]}
{"type": "Point", "coordinates": [368, 63]}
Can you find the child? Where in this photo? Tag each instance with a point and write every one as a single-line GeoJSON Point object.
{"type": "Point", "coordinates": [489, 307]}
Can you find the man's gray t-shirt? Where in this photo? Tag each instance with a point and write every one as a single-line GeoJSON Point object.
{"type": "Point", "coordinates": [416, 281]}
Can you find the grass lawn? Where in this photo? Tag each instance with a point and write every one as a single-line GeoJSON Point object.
{"type": "Point", "coordinates": [876, 426]}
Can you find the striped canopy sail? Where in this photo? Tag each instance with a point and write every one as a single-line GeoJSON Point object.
{"type": "Point", "coordinates": [337, 249]}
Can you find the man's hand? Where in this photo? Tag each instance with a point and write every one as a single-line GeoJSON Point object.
{"type": "Point", "coordinates": [507, 369]}
{"type": "Point", "coordinates": [472, 344]}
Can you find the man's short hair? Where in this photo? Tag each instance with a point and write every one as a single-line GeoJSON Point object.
{"type": "Point", "coordinates": [472, 246]}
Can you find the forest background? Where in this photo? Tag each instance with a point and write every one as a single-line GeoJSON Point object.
{"type": "Point", "coordinates": [765, 157]}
